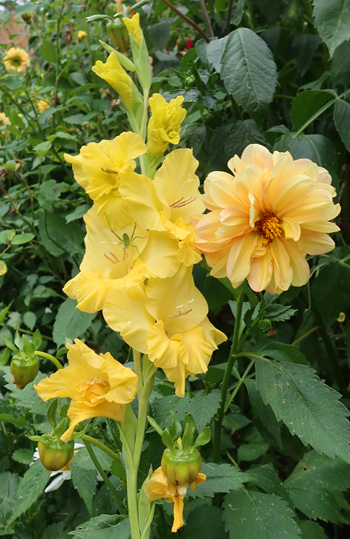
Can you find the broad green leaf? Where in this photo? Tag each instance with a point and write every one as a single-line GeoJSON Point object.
{"type": "Point", "coordinates": [248, 70]}
{"type": "Point", "coordinates": [313, 483]}
{"type": "Point", "coordinates": [333, 21]}
{"type": "Point", "coordinates": [215, 50]}
{"type": "Point", "coordinates": [205, 522]}
{"type": "Point", "coordinates": [77, 213]}
{"type": "Point", "coordinates": [29, 319]}
{"type": "Point", "coordinates": [281, 351]}
{"type": "Point", "coordinates": [252, 451]}
{"type": "Point", "coordinates": [307, 406]}
{"type": "Point", "coordinates": [202, 407]}
{"type": "Point", "coordinates": [19, 421]}
{"type": "Point", "coordinates": [340, 66]}
{"type": "Point", "coordinates": [264, 417]}
{"type": "Point", "coordinates": [20, 239]}
{"type": "Point", "coordinates": [59, 237]}
{"type": "Point", "coordinates": [29, 489]}
{"type": "Point", "coordinates": [311, 530]}
{"type": "Point", "coordinates": [48, 51]}
{"type": "Point", "coordinates": [104, 527]}
{"type": "Point", "coordinates": [266, 478]}
{"type": "Point", "coordinates": [43, 147]}
{"type": "Point", "coordinates": [306, 104]}
{"type": "Point", "coordinates": [220, 478]}
{"type": "Point", "coordinates": [6, 236]}
{"type": "Point", "coordinates": [9, 482]}
{"type": "Point", "coordinates": [83, 461]}
{"type": "Point", "coordinates": [85, 481]}
{"type": "Point", "coordinates": [49, 192]}
{"type": "Point", "coordinates": [70, 323]}
{"type": "Point", "coordinates": [342, 121]}
{"type": "Point", "coordinates": [24, 456]}
{"type": "Point", "coordinates": [250, 514]}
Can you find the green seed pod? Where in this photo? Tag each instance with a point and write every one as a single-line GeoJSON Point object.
{"type": "Point", "coordinates": [24, 369]}
{"type": "Point", "coordinates": [55, 454]}
{"type": "Point", "coordinates": [119, 35]}
{"type": "Point", "coordinates": [181, 467]}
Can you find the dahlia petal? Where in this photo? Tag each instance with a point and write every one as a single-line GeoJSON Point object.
{"type": "Point", "coordinates": [239, 257]}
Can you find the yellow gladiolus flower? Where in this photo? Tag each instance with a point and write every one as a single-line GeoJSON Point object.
{"type": "Point", "coordinates": [99, 168]}
{"type": "Point", "coordinates": [164, 124]}
{"type": "Point", "coordinates": [134, 29]}
{"type": "Point", "coordinates": [42, 105]}
{"type": "Point", "coordinates": [110, 261]}
{"type": "Point", "coordinates": [98, 385]}
{"type": "Point", "coordinates": [167, 320]}
{"type": "Point", "coordinates": [158, 486]}
{"type": "Point", "coordinates": [113, 73]}
{"type": "Point", "coordinates": [16, 60]}
{"type": "Point", "coordinates": [265, 218]}
{"type": "Point", "coordinates": [81, 35]}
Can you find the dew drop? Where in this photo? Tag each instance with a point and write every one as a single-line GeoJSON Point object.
{"type": "Point", "coordinates": [129, 322]}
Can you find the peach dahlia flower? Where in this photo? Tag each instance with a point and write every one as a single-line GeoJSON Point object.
{"type": "Point", "coordinates": [265, 218]}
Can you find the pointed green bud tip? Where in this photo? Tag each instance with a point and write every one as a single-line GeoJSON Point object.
{"type": "Point", "coordinates": [24, 369]}
{"type": "Point", "coordinates": [55, 454]}
{"type": "Point", "coordinates": [181, 467]}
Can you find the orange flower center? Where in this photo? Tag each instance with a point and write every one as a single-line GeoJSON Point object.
{"type": "Point", "coordinates": [269, 226]}
{"type": "Point", "coordinates": [94, 388]}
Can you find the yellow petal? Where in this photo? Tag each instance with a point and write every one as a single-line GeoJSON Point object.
{"type": "Point", "coordinates": [178, 514]}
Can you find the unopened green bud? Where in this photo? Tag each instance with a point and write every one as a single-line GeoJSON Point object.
{"type": "Point", "coordinates": [265, 325]}
{"type": "Point", "coordinates": [24, 369]}
{"type": "Point", "coordinates": [181, 467]}
{"type": "Point", "coordinates": [119, 35]}
{"type": "Point", "coordinates": [55, 454]}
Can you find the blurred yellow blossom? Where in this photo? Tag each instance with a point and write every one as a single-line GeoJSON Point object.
{"type": "Point", "coordinates": [4, 120]}
{"type": "Point", "coordinates": [134, 29]}
{"type": "Point", "coordinates": [265, 218]}
{"type": "Point", "coordinates": [81, 35]}
{"type": "Point", "coordinates": [16, 60]}
{"type": "Point", "coordinates": [164, 124]}
{"type": "Point", "coordinates": [42, 105]}
{"type": "Point", "coordinates": [98, 385]}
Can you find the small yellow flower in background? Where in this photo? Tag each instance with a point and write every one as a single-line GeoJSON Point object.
{"type": "Point", "coordinates": [42, 105]}
{"type": "Point", "coordinates": [98, 385]}
{"type": "Point", "coordinates": [265, 218]}
{"type": "Point", "coordinates": [81, 35]}
{"type": "Point", "coordinates": [98, 169]}
{"type": "Point", "coordinates": [4, 120]}
{"type": "Point", "coordinates": [164, 124]}
{"type": "Point", "coordinates": [112, 72]}
{"type": "Point", "coordinates": [167, 320]}
{"type": "Point", "coordinates": [134, 29]}
{"type": "Point", "coordinates": [158, 486]}
{"type": "Point", "coordinates": [16, 60]}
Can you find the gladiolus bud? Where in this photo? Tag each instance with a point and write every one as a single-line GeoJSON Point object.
{"type": "Point", "coordinates": [181, 467]}
{"type": "Point", "coordinates": [24, 369]}
{"type": "Point", "coordinates": [55, 454]}
{"type": "Point", "coordinates": [119, 35]}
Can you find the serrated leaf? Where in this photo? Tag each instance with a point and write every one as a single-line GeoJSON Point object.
{"type": "Point", "coordinates": [314, 481]}
{"type": "Point", "coordinates": [307, 406]}
{"type": "Point", "coordinates": [104, 527]}
{"type": "Point", "coordinates": [333, 21]}
{"type": "Point", "coordinates": [202, 407]}
{"type": "Point", "coordinates": [83, 461]}
{"type": "Point", "coordinates": [263, 413]}
{"type": "Point", "coordinates": [85, 481]}
{"type": "Point", "coordinates": [282, 351]}
{"type": "Point", "coordinates": [258, 515]}
{"type": "Point", "coordinates": [9, 482]}
{"type": "Point", "coordinates": [248, 70]}
{"type": "Point", "coordinates": [204, 522]}
{"type": "Point", "coordinates": [252, 451]}
{"type": "Point", "coordinates": [311, 530]}
{"type": "Point", "coordinates": [266, 478]}
{"type": "Point", "coordinates": [24, 456]}
{"type": "Point", "coordinates": [220, 478]}
{"type": "Point", "coordinates": [342, 120]}
{"type": "Point", "coordinates": [280, 313]}
{"type": "Point", "coordinates": [29, 489]}
{"type": "Point", "coordinates": [70, 323]}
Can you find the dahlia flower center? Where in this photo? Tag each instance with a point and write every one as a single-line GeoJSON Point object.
{"type": "Point", "coordinates": [269, 226]}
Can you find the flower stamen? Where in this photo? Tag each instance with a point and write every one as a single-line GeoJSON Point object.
{"type": "Point", "coordinates": [269, 226]}
{"type": "Point", "coordinates": [182, 202]}
{"type": "Point", "coordinates": [180, 313]}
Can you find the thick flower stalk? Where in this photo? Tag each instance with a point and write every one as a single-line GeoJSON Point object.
{"type": "Point", "coordinates": [164, 124]}
{"type": "Point", "coordinates": [98, 385]}
{"type": "Point", "coordinates": [158, 486]}
{"type": "Point", "coordinates": [16, 60]}
{"type": "Point", "coordinates": [167, 320]}
{"type": "Point", "coordinates": [265, 218]}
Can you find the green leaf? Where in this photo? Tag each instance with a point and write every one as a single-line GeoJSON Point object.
{"type": "Point", "coordinates": [340, 66]}
{"type": "Point", "coordinates": [48, 51]}
{"type": "Point", "coordinates": [9, 482]}
{"type": "Point", "coordinates": [77, 213]}
{"type": "Point", "coordinates": [104, 527]}
{"type": "Point", "coordinates": [43, 147]}
{"type": "Point", "coordinates": [205, 522]}
{"type": "Point", "coordinates": [342, 121]}
{"type": "Point", "coordinates": [215, 50]}
{"type": "Point", "coordinates": [333, 21]}
{"type": "Point", "coordinates": [252, 451]}
{"type": "Point", "coordinates": [29, 319]}
{"type": "Point", "coordinates": [308, 407]}
{"type": "Point", "coordinates": [266, 478]}
{"type": "Point", "coordinates": [311, 530]}
{"type": "Point", "coordinates": [70, 323]}
{"type": "Point", "coordinates": [57, 236]}
{"type": "Point", "coordinates": [248, 70]}
{"type": "Point", "coordinates": [49, 192]}
{"type": "Point", "coordinates": [313, 483]}
{"type": "Point", "coordinates": [262, 516]}
{"type": "Point", "coordinates": [6, 236]}
{"type": "Point", "coordinates": [24, 456]}
{"type": "Point", "coordinates": [220, 478]}
{"type": "Point", "coordinates": [282, 351]}
{"type": "Point", "coordinates": [202, 407]}
{"type": "Point", "coordinates": [3, 268]}
{"type": "Point", "coordinates": [306, 104]}
{"type": "Point", "coordinates": [8, 343]}
{"type": "Point", "coordinates": [20, 239]}
{"type": "Point", "coordinates": [8, 418]}
{"type": "Point", "coordinates": [29, 489]}
{"type": "Point", "coordinates": [85, 481]}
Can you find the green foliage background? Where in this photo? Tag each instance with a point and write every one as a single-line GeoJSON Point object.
{"type": "Point", "coordinates": [272, 72]}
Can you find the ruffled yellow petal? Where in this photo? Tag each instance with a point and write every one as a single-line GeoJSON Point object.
{"type": "Point", "coordinates": [164, 124]}
{"type": "Point", "coordinates": [112, 72]}
{"type": "Point", "coordinates": [178, 513]}
{"type": "Point", "coordinates": [133, 26]}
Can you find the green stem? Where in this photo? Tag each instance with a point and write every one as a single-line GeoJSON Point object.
{"type": "Point", "coordinates": [142, 415]}
{"type": "Point", "coordinates": [102, 473]}
{"type": "Point", "coordinates": [226, 379]}
{"type": "Point", "coordinates": [50, 357]}
{"type": "Point", "coordinates": [238, 386]}
{"type": "Point", "coordinates": [319, 112]}
{"type": "Point", "coordinates": [100, 445]}
{"type": "Point", "coordinates": [302, 337]}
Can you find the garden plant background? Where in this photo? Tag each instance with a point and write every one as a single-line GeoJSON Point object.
{"type": "Point", "coordinates": [266, 375]}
